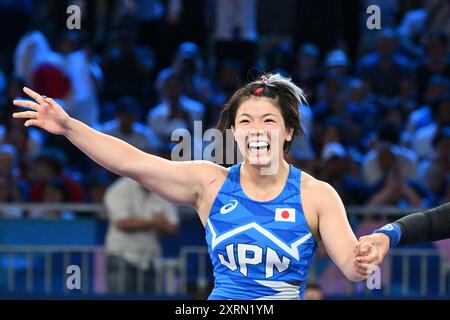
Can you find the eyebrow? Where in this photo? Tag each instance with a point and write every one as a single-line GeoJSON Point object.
{"type": "Point", "coordinates": [264, 115]}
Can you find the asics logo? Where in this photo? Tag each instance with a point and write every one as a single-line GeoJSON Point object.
{"type": "Point", "coordinates": [229, 207]}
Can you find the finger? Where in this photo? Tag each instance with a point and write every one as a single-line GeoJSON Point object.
{"type": "Point", "coordinates": [25, 114]}
{"type": "Point", "coordinates": [367, 259]}
{"type": "Point", "coordinates": [366, 247]}
{"type": "Point", "coordinates": [361, 271]}
{"type": "Point", "coordinates": [32, 122]}
{"type": "Point", "coordinates": [27, 104]}
{"type": "Point", "coordinates": [36, 96]}
{"type": "Point", "coordinates": [363, 274]}
{"type": "Point", "coordinates": [372, 256]}
{"type": "Point", "coordinates": [50, 101]}
{"type": "Point", "coordinates": [365, 267]}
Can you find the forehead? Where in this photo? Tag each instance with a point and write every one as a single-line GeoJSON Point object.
{"type": "Point", "coordinates": [258, 106]}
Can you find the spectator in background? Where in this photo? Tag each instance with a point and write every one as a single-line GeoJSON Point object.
{"type": "Point", "coordinates": [189, 66]}
{"type": "Point", "coordinates": [227, 83]}
{"type": "Point", "coordinates": [360, 107]}
{"type": "Point", "coordinates": [423, 139]}
{"type": "Point", "coordinates": [423, 116]}
{"type": "Point", "coordinates": [149, 14]}
{"type": "Point", "coordinates": [419, 21]}
{"type": "Point", "coordinates": [86, 77]}
{"type": "Point", "coordinates": [27, 141]}
{"type": "Point", "coordinates": [40, 67]}
{"type": "Point", "coordinates": [337, 62]}
{"type": "Point", "coordinates": [337, 169]}
{"type": "Point", "coordinates": [390, 171]}
{"type": "Point", "coordinates": [302, 148]}
{"type": "Point", "coordinates": [235, 33]}
{"type": "Point", "coordinates": [396, 109]}
{"type": "Point", "coordinates": [5, 198]}
{"type": "Point", "coordinates": [126, 127]}
{"type": "Point", "coordinates": [329, 130]}
{"type": "Point", "coordinates": [313, 291]}
{"type": "Point", "coordinates": [55, 192]}
{"type": "Point", "coordinates": [384, 69]}
{"type": "Point", "coordinates": [386, 153]}
{"type": "Point", "coordinates": [332, 93]}
{"type": "Point", "coordinates": [176, 110]}
{"type": "Point", "coordinates": [12, 187]}
{"type": "Point", "coordinates": [334, 87]}
{"type": "Point", "coordinates": [396, 191]}
{"type": "Point", "coordinates": [184, 20]}
{"type": "Point", "coordinates": [434, 172]}
{"type": "Point", "coordinates": [306, 70]}
{"type": "Point", "coordinates": [10, 171]}
{"type": "Point", "coordinates": [136, 217]}
{"type": "Point", "coordinates": [49, 165]}
{"type": "Point", "coordinates": [435, 62]}
{"type": "Point", "coordinates": [126, 67]}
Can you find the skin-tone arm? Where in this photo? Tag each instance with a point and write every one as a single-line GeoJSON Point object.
{"type": "Point", "coordinates": [336, 233]}
{"type": "Point", "coordinates": [177, 182]}
{"type": "Point", "coordinates": [158, 222]}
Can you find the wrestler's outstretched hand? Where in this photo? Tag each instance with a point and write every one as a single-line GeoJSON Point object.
{"type": "Point", "coordinates": [45, 113]}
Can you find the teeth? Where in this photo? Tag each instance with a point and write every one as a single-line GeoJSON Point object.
{"type": "Point", "coordinates": [258, 145]}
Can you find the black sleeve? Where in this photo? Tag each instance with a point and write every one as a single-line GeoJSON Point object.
{"type": "Point", "coordinates": [426, 226]}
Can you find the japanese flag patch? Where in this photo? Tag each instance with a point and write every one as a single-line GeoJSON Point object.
{"type": "Point", "coordinates": [285, 214]}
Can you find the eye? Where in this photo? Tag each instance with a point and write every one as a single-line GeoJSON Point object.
{"type": "Point", "coordinates": [269, 120]}
{"type": "Point", "coordinates": [244, 121]}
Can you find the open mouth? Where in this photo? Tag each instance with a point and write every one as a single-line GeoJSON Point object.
{"type": "Point", "coordinates": [258, 146]}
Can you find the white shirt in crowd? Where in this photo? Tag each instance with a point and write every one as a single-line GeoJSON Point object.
{"type": "Point", "coordinates": [128, 199]}
{"type": "Point", "coordinates": [141, 137]}
{"type": "Point", "coordinates": [422, 142]}
{"type": "Point", "coordinates": [232, 14]}
{"type": "Point", "coordinates": [372, 172]}
{"type": "Point", "coordinates": [158, 117]}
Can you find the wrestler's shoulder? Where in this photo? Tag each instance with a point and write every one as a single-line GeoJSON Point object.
{"type": "Point", "coordinates": [314, 185]}
{"type": "Point", "coordinates": [207, 169]}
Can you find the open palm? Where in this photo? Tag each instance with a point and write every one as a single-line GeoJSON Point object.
{"type": "Point", "coordinates": [46, 114]}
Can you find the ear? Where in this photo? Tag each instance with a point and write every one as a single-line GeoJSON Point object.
{"type": "Point", "coordinates": [290, 134]}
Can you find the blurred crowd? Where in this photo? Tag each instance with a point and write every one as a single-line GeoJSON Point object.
{"type": "Point", "coordinates": [377, 126]}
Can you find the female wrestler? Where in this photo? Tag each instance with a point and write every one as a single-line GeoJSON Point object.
{"type": "Point", "coordinates": [263, 217]}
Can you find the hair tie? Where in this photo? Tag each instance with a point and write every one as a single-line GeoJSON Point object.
{"type": "Point", "coordinates": [259, 91]}
{"type": "Point", "coordinates": [265, 80]}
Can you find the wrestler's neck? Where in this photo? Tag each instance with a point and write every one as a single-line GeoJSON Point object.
{"type": "Point", "coordinates": [264, 175]}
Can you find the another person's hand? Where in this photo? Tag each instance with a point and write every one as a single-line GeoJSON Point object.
{"type": "Point", "coordinates": [46, 114]}
{"type": "Point", "coordinates": [370, 252]}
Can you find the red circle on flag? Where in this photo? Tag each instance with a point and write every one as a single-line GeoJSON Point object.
{"type": "Point", "coordinates": [285, 214]}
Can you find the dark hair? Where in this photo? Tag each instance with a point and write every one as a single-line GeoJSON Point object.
{"type": "Point", "coordinates": [443, 133]}
{"type": "Point", "coordinates": [58, 184]}
{"type": "Point", "coordinates": [436, 103]}
{"type": "Point", "coordinates": [287, 97]}
{"type": "Point", "coordinates": [54, 158]}
{"type": "Point", "coordinates": [128, 104]}
{"type": "Point", "coordinates": [389, 132]}
{"type": "Point", "coordinates": [437, 34]}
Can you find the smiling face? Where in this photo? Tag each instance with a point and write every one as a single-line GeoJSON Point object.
{"type": "Point", "coordinates": [264, 117]}
{"type": "Point", "coordinates": [260, 131]}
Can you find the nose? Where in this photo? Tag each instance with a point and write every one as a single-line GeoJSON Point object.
{"type": "Point", "coordinates": [256, 131]}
